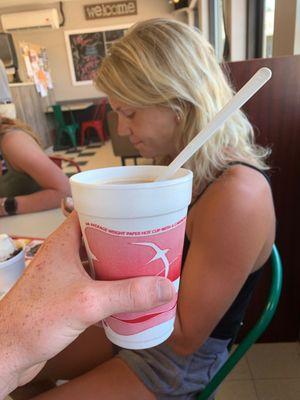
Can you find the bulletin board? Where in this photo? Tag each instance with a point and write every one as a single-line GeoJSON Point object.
{"type": "Point", "coordinates": [87, 47]}
{"type": "Point", "coordinates": [37, 66]}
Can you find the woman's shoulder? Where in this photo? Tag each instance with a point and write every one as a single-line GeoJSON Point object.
{"type": "Point", "coordinates": [17, 145]}
{"type": "Point", "coordinates": [238, 192]}
{"type": "Point", "coordinates": [16, 137]}
{"type": "Point", "coordinates": [239, 181]}
{"type": "Point", "coordinates": [237, 208]}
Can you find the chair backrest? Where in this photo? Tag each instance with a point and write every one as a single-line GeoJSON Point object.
{"type": "Point", "coordinates": [59, 160]}
{"type": "Point", "coordinates": [100, 110]}
{"type": "Point", "coordinates": [274, 112]}
{"type": "Point", "coordinates": [120, 144]}
{"type": "Point", "coordinates": [255, 332]}
{"type": "Point", "coordinates": [58, 115]}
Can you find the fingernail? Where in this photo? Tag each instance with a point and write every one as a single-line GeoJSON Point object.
{"type": "Point", "coordinates": [165, 290]}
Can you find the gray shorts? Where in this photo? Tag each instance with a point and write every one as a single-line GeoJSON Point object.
{"type": "Point", "coordinates": [171, 376]}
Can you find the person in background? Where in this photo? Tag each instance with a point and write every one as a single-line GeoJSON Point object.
{"type": "Point", "coordinates": [29, 180]}
{"type": "Point", "coordinates": [164, 82]}
{"type": "Point", "coordinates": [55, 300]}
{"type": "Point", "coordinates": [5, 93]}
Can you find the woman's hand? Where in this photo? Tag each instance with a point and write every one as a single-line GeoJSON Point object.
{"type": "Point", "coordinates": [55, 300]}
{"type": "Point", "coordinates": [2, 209]}
{"type": "Point", "coordinates": [67, 206]}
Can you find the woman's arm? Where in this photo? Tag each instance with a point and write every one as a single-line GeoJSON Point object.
{"type": "Point", "coordinates": [232, 233]}
{"type": "Point", "coordinates": [24, 155]}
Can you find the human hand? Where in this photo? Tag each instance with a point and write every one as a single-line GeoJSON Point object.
{"type": "Point", "coordinates": [3, 213]}
{"type": "Point", "coordinates": [67, 205]}
{"type": "Point", "coordinates": [55, 300]}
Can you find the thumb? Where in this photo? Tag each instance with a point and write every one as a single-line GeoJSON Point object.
{"type": "Point", "coordinates": [131, 295]}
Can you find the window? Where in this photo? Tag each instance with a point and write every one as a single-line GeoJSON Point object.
{"type": "Point", "coordinates": [216, 27]}
{"type": "Point", "coordinates": [268, 28]}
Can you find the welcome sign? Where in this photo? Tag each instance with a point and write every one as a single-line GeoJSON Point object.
{"type": "Point", "coordinates": [108, 10]}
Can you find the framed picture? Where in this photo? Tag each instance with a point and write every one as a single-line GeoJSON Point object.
{"type": "Point", "coordinates": [87, 47]}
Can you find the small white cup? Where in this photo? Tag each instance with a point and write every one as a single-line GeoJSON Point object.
{"type": "Point", "coordinates": [10, 271]}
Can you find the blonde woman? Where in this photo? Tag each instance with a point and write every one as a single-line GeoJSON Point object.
{"type": "Point", "coordinates": [29, 180]}
{"type": "Point", "coordinates": [164, 82]}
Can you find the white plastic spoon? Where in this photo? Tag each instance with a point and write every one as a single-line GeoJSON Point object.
{"type": "Point", "coordinates": [240, 98]}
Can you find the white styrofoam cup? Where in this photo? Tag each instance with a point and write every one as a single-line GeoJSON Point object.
{"type": "Point", "coordinates": [134, 229]}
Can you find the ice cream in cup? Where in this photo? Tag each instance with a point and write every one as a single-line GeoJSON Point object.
{"type": "Point", "coordinates": [133, 226]}
{"type": "Point", "coordinates": [12, 263]}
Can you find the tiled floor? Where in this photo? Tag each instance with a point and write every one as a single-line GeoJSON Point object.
{"type": "Point", "coordinates": [94, 156]}
{"type": "Point", "coordinates": [268, 371]}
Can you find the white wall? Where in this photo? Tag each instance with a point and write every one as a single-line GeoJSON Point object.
{"type": "Point", "coordinates": [54, 40]}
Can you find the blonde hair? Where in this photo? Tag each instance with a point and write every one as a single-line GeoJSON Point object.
{"type": "Point", "coordinates": [162, 62]}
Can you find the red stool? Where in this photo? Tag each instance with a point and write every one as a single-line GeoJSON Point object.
{"type": "Point", "coordinates": [59, 160]}
{"type": "Point", "coordinates": [97, 124]}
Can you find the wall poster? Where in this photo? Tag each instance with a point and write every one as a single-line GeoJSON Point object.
{"type": "Point", "coordinates": [87, 47]}
{"type": "Point", "coordinates": [37, 66]}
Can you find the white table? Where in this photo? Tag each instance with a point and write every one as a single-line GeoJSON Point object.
{"type": "Point", "coordinates": [71, 107]}
{"type": "Point", "coordinates": [36, 225]}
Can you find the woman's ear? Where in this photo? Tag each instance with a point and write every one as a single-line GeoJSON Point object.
{"type": "Point", "coordinates": [177, 118]}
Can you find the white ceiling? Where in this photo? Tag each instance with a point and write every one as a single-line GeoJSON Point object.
{"type": "Point", "coordinates": [11, 3]}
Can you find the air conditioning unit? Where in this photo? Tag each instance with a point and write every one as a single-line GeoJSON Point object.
{"type": "Point", "coordinates": [30, 20]}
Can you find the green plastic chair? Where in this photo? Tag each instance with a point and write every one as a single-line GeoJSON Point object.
{"type": "Point", "coordinates": [255, 332]}
{"type": "Point", "coordinates": [62, 127]}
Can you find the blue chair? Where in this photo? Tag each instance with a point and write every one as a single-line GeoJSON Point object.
{"type": "Point", "coordinates": [255, 332]}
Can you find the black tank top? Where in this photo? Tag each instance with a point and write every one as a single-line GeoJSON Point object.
{"type": "Point", "coordinates": [230, 323]}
